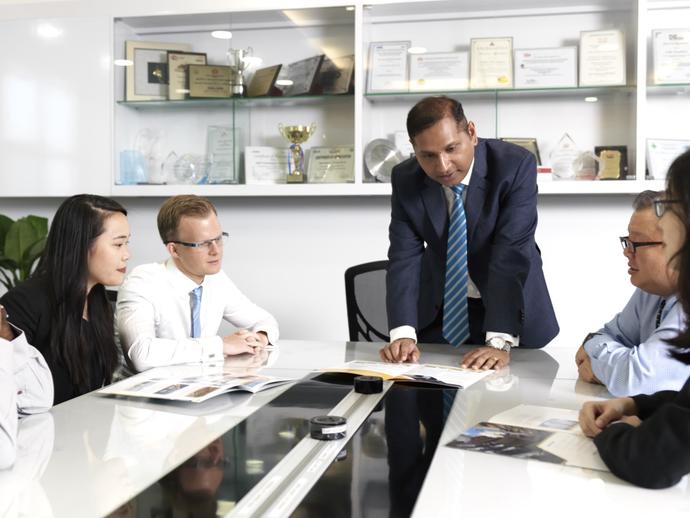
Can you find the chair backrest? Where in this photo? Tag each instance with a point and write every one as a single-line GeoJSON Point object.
{"type": "Point", "coordinates": [365, 293]}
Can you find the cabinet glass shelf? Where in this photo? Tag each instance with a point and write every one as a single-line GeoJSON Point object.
{"type": "Point", "coordinates": [674, 89]}
{"type": "Point", "coordinates": [302, 100]}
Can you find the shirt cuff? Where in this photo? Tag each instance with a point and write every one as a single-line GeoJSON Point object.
{"type": "Point", "coordinates": [403, 332]}
{"type": "Point", "coordinates": [596, 345]}
{"type": "Point", "coordinates": [513, 340]}
{"type": "Point", "coordinates": [211, 348]}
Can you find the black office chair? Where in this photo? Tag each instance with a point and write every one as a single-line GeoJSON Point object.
{"type": "Point", "coordinates": [365, 293]}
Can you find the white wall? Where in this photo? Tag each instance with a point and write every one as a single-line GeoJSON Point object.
{"type": "Point", "coordinates": [289, 254]}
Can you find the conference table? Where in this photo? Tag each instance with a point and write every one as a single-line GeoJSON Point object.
{"type": "Point", "coordinates": [240, 454]}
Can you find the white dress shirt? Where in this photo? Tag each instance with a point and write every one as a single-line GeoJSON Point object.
{"type": "Point", "coordinates": [153, 316]}
{"type": "Point", "coordinates": [472, 291]}
{"type": "Point", "coordinates": [26, 387]}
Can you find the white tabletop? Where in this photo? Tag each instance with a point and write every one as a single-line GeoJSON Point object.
{"type": "Point", "coordinates": [92, 454]}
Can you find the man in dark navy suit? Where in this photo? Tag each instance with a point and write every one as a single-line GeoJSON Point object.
{"type": "Point", "coordinates": [508, 303]}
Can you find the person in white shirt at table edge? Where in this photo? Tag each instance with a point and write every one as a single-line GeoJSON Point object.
{"type": "Point", "coordinates": [170, 312]}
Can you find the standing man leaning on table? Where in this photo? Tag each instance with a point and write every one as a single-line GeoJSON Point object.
{"type": "Point", "coordinates": [463, 263]}
{"type": "Point", "coordinates": [170, 312]}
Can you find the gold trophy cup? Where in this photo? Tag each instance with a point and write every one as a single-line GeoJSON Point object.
{"type": "Point", "coordinates": [296, 135]}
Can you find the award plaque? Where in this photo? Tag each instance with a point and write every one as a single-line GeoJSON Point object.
{"type": "Point", "coordinates": [546, 68]}
{"type": "Point", "coordinates": [530, 144]}
{"type": "Point", "coordinates": [331, 164]}
{"type": "Point", "coordinates": [439, 71]}
{"type": "Point", "coordinates": [563, 159]}
{"type": "Point", "coordinates": [177, 72]}
{"type": "Point", "coordinates": [147, 78]}
{"type": "Point", "coordinates": [296, 135]}
{"type": "Point", "coordinates": [613, 162]}
{"type": "Point", "coordinates": [209, 81]}
{"type": "Point", "coordinates": [262, 81]}
{"type": "Point", "coordinates": [671, 56]}
{"type": "Point", "coordinates": [302, 74]}
{"type": "Point", "coordinates": [220, 154]}
{"type": "Point", "coordinates": [388, 66]}
{"type": "Point", "coordinates": [491, 63]}
{"type": "Point", "coordinates": [602, 58]}
{"type": "Point", "coordinates": [661, 153]}
{"type": "Point", "coordinates": [265, 165]}
{"type": "Point", "coordinates": [335, 75]}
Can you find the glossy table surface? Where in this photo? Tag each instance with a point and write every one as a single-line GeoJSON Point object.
{"type": "Point", "coordinates": [97, 454]}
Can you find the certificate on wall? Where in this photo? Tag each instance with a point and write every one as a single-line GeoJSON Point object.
{"type": "Point", "coordinates": [265, 165]}
{"type": "Point", "coordinates": [546, 68]}
{"type": "Point", "coordinates": [331, 165]}
{"type": "Point", "coordinates": [661, 153]}
{"type": "Point", "coordinates": [602, 58]}
{"type": "Point", "coordinates": [491, 63]}
{"type": "Point", "coordinates": [671, 56]}
{"type": "Point", "coordinates": [439, 71]}
{"type": "Point", "coordinates": [388, 66]}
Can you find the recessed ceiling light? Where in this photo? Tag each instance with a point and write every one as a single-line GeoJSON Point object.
{"type": "Point", "coordinates": [416, 50]}
{"type": "Point", "coordinates": [284, 82]}
{"type": "Point", "coordinates": [350, 8]}
{"type": "Point", "coordinates": [591, 99]}
{"type": "Point", "coordinates": [123, 62]}
{"type": "Point", "coordinates": [222, 35]}
{"type": "Point", "coordinates": [46, 30]}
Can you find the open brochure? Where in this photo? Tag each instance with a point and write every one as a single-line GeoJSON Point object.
{"type": "Point", "coordinates": [421, 373]}
{"type": "Point", "coordinates": [193, 383]}
{"type": "Point", "coordinates": [533, 432]}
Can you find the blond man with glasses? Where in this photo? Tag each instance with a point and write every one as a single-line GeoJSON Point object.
{"type": "Point", "coordinates": [629, 355]}
{"type": "Point", "coordinates": [170, 312]}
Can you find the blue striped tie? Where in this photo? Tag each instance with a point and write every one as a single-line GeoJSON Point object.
{"type": "Point", "coordinates": [456, 325]}
{"type": "Point", "coordinates": [196, 311]}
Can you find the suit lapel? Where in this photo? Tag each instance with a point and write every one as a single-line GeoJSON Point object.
{"type": "Point", "coordinates": [435, 203]}
{"type": "Point", "coordinates": [476, 191]}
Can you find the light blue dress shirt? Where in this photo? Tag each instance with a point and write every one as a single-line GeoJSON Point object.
{"type": "Point", "coordinates": [630, 355]}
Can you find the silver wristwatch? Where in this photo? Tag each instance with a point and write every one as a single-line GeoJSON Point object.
{"type": "Point", "coordinates": [499, 343]}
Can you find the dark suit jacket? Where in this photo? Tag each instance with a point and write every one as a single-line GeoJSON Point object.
{"type": "Point", "coordinates": [655, 454]}
{"type": "Point", "coordinates": [503, 259]}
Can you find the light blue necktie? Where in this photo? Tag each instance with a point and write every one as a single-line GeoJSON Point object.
{"type": "Point", "coordinates": [456, 325]}
{"type": "Point", "coordinates": [196, 311]}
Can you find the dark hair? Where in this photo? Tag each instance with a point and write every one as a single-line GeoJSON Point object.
{"type": "Point", "coordinates": [64, 264]}
{"type": "Point", "coordinates": [678, 188]}
{"type": "Point", "coordinates": [173, 210]}
{"type": "Point", "coordinates": [645, 200]}
{"type": "Point", "coordinates": [430, 110]}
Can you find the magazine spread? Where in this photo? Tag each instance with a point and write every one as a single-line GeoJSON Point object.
{"type": "Point", "coordinates": [534, 432]}
{"type": "Point", "coordinates": [413, 372]}
{"type": "Point", "coordinates": [193, 383]}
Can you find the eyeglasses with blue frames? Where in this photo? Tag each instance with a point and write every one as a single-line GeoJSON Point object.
{"type": "Point", "coordinates": [629, 244]}
{"type": "Point", "coordinates": [661, 206]}
{"type": "Point", "coordinates": [218, 241]}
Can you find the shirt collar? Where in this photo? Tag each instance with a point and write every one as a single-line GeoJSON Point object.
{"type": "Point", "coordinates": [180, 280]}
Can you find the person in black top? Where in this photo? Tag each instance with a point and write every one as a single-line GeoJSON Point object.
{"type": "Point", "coordinates": [644, 439]}
{"type": "Point", "coordinates": [62, 308]}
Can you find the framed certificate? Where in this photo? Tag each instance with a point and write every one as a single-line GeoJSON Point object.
{"type": "Point", "coordinates": [208, 81]}
{"type": "Point", "coordinates": [439, 71]}
{"type": "Point", "coordinates": [331, 165]}
{"type": "Point", "coordinates": [335, 75]}
{"type": "Point", "coordinates": [388, 66]}
{"type": "Point", "coordinates": [265, 165]}
{"type": "Point", "coordinates": [221, 147]}
{"type": "Point", "coordinates": [661, 153]}
{"type": "Point", "coordinates": [491, 63]}
{"type": "Point", "coordinates": [602, 58]}
{"type": "Point", "coordinates": [671, 56]}
{"type": "Point", "coordinates": [546, 68]}
{"type": "Point", "coordinates": [147, 78]}
{"type": "Point", "coordinates": [177, 72]}
{"type": "Point", "coordinates": [303, 74]}
{"type": "Point", "coordinates": [262, 81]}
{"type": "Point", "coordinates": [530, 144]}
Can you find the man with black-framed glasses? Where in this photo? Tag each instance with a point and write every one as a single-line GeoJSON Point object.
{"type": "Point", "coordinates": [170, 312]}
{"type": "Point", "coordinates": [629, 354]}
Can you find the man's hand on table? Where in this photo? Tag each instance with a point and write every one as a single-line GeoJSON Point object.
{"type": "Point", "coordinates": [399, 351]}
{"type": "Point", "coordinates": [586, 373]}
{"type": "Point", "coordinates": [485, 358]}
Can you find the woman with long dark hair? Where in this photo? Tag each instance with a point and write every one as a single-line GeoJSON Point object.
{"type": "Point", "coordinates": [645, 439]}
{"type": "Point", "coordinates": [63, 308]}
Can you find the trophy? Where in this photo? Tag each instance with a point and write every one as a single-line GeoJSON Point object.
{"type": "Point", "coordinates": [296, 135]}
{"type": "Point", "coordinates": [239, 63]}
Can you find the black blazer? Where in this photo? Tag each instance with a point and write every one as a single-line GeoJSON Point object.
{"type": "Point", "coordinates": [656, 454]}
{"type": "Point", "coordinates": [503, 259]}
{"type": "Point", "coordinates": [29, 308]}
